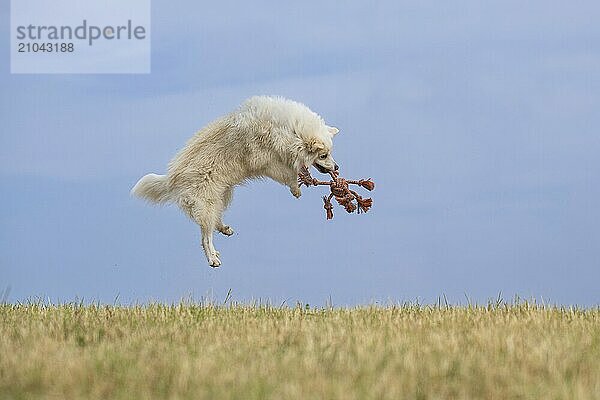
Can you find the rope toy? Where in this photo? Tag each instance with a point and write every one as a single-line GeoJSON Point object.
{"type": "Point", "coordinates": [340, 190]}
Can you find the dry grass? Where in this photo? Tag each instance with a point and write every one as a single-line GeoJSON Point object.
{"type": "Point", "coordinates": [520, 351]}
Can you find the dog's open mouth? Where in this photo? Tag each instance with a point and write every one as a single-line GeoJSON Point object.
{"type": "Point", "coordinates": [321, 169]}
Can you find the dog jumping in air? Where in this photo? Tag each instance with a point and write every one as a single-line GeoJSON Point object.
{"type": "Point", "coordinates": [265, 137]}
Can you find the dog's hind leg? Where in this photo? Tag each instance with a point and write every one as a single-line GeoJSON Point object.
{"type": "Point", "coordinates": [225, 229]}
{"type": "Point", "coordinates": [221, 227]}
{"type": "Point", "coordinates": [206, 213]}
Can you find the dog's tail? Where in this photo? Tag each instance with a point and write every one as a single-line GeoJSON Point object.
{"type": "Point", "coordinates": [154, 188]}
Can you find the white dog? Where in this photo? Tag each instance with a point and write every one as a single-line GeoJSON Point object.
{"type": "Point", "coordinates": [266, 137]}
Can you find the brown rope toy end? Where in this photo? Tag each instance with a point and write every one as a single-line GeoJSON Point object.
{"type": "Point", "coordinates": [340, 190]}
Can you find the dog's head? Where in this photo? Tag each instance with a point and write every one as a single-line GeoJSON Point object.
{"type": "Point", "coordinates": [319, 147]}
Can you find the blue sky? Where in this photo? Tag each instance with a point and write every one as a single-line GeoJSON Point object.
{"type": "Point", "coordinates": [479, 123]}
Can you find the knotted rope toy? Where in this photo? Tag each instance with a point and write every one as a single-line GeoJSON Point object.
{"type": "Point", "coordinates": [340, 190]}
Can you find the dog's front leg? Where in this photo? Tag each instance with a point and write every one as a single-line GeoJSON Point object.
{"type": "Point", "coordinates": [292, 183]}
{"type": "Point", "coordinates": [295, 189]}
{"type": "Point", "coordinates": [286, 176]}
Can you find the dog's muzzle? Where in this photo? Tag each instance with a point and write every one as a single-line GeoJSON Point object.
{"type": "Point", "coordinates": [324, 170]}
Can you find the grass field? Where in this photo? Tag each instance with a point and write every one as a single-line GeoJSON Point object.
{"type": "Point", "coordinates": [520, 351]}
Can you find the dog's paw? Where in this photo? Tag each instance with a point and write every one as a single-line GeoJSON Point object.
{"type": "Point", "coordinates": [226, 230]}
{"type": "Point", "coordinates": [213, 260]}
{"type": "Point", "coordinates": [296, 192]}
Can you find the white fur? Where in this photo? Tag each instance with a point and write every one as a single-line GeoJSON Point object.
{"type": "Point", "coordinates": [265, 137]}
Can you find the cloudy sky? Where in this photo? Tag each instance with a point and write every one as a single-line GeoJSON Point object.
{"type": "Point", "coordinates": [479, 123]}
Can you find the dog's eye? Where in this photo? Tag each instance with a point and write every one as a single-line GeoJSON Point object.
{"type": "Point", "coordinates": [323, 156]}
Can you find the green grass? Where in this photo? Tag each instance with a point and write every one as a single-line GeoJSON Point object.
{"type": "Point", "coordinates": [520, 351]}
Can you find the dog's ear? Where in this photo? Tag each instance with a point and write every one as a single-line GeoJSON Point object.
{"type": "Point", "coordinates": [314, 145]}
{"type": "Point", "coordinates": [332, 130]}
